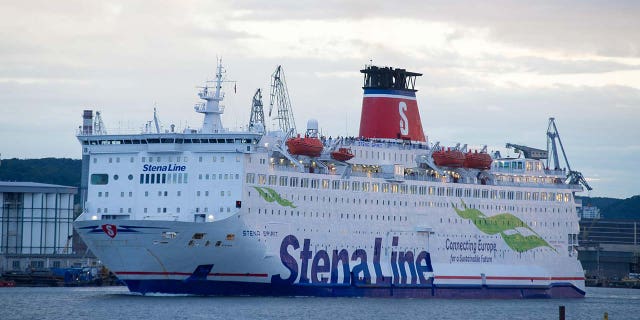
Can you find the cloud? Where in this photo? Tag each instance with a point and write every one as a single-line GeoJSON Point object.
{"type": "Point", "coordinates": [493, 72]}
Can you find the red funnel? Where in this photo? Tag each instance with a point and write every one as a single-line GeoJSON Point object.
{"type": "Point", "coordinates": [389, 107]}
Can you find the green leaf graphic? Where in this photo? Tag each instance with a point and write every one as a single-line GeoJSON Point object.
{"type": "Point", "coordinates": [271, 195]}
{"type": "Point", "coordinates": [501, 223]}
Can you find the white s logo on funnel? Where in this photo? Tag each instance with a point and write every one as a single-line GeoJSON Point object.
{"type": "Point", "coordinates": [404, 123]}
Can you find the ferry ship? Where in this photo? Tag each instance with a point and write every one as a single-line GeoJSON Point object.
{"type": "Point", "coordinates": [211, 211]}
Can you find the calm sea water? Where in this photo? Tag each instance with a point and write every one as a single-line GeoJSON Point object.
{"type": "Point", "coordinates": [118, 303]}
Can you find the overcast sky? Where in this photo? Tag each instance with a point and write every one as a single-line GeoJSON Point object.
{"type": "Point", "coordinates": [494, 71]}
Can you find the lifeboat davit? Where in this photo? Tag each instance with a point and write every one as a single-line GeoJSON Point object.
{"type": "Point", "coordinates": [306, 146]}
{"type": "Point", "coordinates": [477, 160]}
{"type": "Point", "coordinates": [448, 158]}
{"type": "Point", "coordinates": [343, 154]}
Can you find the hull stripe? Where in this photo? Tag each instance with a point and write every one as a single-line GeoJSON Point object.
{"type": "Point", "coordinates": [216, 274]}
{"type": "Point", "coordinates": [264, 275]}
{"type": "Point", "coordinates": [508, 278]}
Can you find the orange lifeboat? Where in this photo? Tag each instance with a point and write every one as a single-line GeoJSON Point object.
{"type": "Point", "coordinates": [306, 146]}
{"type": "Point", "coordinates": [343, 154]}
{"type": "Point", "coordinates": [477, 160]}
{"type": "Point", "coordinates": [448, 158]}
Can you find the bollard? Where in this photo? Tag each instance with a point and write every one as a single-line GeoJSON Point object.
{"type": "Point", "coordinates": [561, 311]}
{"type": "Point", "coordinates": [606, 316]}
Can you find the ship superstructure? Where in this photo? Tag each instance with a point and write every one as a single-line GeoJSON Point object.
{"type": "Point", "coordinates": [386, 213]}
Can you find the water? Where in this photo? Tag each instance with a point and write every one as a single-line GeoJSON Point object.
{"type": "Point", "coordinates": [118, 303]}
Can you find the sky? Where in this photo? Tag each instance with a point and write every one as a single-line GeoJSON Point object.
{"type": "Point", "coordinates": [493, 71]}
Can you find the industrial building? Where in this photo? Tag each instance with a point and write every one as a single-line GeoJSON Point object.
{"type": "Point", "coordinates": [36, 228]}
{"type": "Point", "coordinates": [609, 249]}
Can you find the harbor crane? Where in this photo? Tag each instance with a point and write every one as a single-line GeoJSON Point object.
{"type": "Point", "coordinates": [574, 177]}
{"type": "Point", "coordinates": [551, 155]}
{"type": "Point", "coordinates": [280, 97]}
{"type": "Point", "coordinates": [256, 120]}
{"type": "Point", "coordinates": [530, 153]}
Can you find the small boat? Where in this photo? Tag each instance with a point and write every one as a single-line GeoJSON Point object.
{"type": "Point", "coordinates": [306, 146]}
{"type": "Point", "coordinates": [477, 160]}
{"type": "Point", "coordinates": [7, 283]}
{"type": "Point", "coordinates": [343, 154]}
{"type": "Point", "coordinates": [448, 158]}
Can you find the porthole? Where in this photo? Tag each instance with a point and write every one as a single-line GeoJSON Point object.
{"type": "Point", "coordinates": [115, 177]}
{"type": "Point", "coordinates": [130, 177]}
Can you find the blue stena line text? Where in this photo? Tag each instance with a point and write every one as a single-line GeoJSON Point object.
{"type": "Point", "coordinates": [323, 264]}
{"type": "Point", "coordinates": [163, 168]}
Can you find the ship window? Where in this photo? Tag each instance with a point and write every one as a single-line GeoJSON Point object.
{"type": "Point", "coordinates": [272, 180]}
{"type": "Point", "coordinates": [304, 183]}
{"type": "Point", "coordinates": [345, 185]}
{"type": "Point", "coordinates": [283, 181]}
{"type": "Point", "coordinates": [385, 187]}
{"type": "Point", "coordinates": [558, 197]}
{"type": "Point", "coordinates": [365, 186]}
{"type": "Point", "coordinates": [99, 178]}
{"type": "Point", "coordinates": [153, 178]}
{"type": "Point", "coordinates": [355, 186]}
{"type": "Point", "coordinates": [262, 179]}
{"type": "Point", "coordinates": [375, 187]}
{"type": "Point", "coordinates": [315, 183]}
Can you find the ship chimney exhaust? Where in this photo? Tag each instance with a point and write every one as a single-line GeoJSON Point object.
{"type": "Point", "coordinates": [389, 106]}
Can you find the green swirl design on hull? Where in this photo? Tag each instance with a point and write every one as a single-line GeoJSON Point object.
{"type": "Point", "coordinates": [502, 223]}
{"type": "Point", "coordinates": [271, 195]}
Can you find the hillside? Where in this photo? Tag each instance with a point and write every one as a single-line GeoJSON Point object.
{"type": "Point", "coordinates": [612, 208]}
{"type": "Point", "coordinates": [64, 172]}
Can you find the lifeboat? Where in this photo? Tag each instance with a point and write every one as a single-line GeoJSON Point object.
{"type": "Point", "coordinates": [477, 160]}
{"type": "Point", "coordinates": [448, 158]}
{"type": "Point", "coordinates": [343, 154]}
{"type": "Point", "coordinates": [306, 146]}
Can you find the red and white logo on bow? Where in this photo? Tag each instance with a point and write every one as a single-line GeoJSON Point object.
{"type": "Point", "coordinates": [110, 229]}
